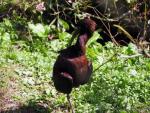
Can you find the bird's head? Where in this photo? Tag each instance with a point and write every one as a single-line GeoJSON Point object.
{"type": "Point", "coordinates": [87, 25]}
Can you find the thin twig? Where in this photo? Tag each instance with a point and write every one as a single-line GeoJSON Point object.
{"type": "Point", "coordinates": [104, 18]}
{"type": "Point", "coordinates": [74, 35]}
{"type": "Point", "coordinates": [145, 22]}
{"type": "Point", "coordinates": [131, 56]}
{"type": "Point", "coordinates": [106, 26]}
{"type": "Point", "coordinates": [104, 62]}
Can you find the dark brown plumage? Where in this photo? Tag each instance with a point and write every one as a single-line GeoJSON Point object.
{"type": "Point", "coordinates": [72, 67]}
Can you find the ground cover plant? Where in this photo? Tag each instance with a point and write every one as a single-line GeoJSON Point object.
{"type": "Point", "coordinates": [120, 82]}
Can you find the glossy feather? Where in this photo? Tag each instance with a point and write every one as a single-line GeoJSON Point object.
{"type": "Point", "coordinates": [72, 67]}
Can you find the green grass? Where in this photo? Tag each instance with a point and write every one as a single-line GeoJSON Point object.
{"type": "Point", "coordinates": [118, 84]}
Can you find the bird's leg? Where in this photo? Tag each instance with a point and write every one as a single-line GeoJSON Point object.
{"type": "Point", "coordinates": [70, 105]}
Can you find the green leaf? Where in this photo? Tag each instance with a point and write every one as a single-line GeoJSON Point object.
{"type": "Point", "coordinates": [93, 39]}
{"type": "Point", "coordinates": [64, 24]}
{"type": "Point", "coordinates": [64, 35]}
{"type": "Point", "coordinates": [7, 23]}
{"type": "Point", "coordinates": [39, 29]}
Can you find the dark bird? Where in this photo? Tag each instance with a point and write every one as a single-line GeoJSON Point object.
{"type": "Point", "coordinates": [72, 67]}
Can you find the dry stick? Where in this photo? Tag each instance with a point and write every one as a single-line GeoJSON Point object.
{"type": "Point", "coordinates": [125, 32]}
{"type": "Point", "coordinates": [104, 18]}
{"type": "Point", "coordinates": [145, 33]}
{"type": "Point", "coordinates": [70, 105]}
{"type": "Point", "coordinates": [104, 62]}
{"type": "Point", "coordinates": [131, 56]}
{"type": "Point", "coordinates": [121, 56]}
{"type": "Point", "coordinates": [75, 34]}
{"type": "Point", "coordinates": [107, 27]}
{"type": "Point", "coordinates": [145, 23]}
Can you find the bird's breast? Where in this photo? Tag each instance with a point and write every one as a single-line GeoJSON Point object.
{"type": "Point", "coordinates": [81, 69]}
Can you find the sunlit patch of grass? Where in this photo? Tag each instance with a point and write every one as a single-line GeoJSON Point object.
{"type": "Point", "coordinates": [119, 83]}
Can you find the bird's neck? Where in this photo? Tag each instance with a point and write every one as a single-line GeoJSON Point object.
{"type": "Point", "coordinates": [81, 42]}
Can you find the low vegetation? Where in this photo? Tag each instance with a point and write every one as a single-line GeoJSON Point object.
{"type": "Point", "coordinates": [120, 82]}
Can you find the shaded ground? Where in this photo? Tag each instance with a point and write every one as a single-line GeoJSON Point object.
{"type": "Point", "coordinates": [15, 96]}
{"type": "Point", "coordinates": [8, 94]}
{"type": "Point", "coordinates": [9, 88]}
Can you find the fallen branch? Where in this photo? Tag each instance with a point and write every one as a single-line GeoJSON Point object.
{"type": "Point", "coordinates": [129, 56]}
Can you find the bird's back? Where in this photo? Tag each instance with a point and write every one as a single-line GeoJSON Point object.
{"type": "Point", "coordinates": [76, 66]}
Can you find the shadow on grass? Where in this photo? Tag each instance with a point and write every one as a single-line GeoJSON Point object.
{"type": "Point", "coordinates": [31, 108]}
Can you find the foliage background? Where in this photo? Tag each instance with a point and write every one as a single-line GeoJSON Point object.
{"type": "Point", "coordinates": [29, 45]}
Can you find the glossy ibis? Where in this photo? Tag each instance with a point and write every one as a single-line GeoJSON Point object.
{"type": "Point", "coordinates": [72, 67]}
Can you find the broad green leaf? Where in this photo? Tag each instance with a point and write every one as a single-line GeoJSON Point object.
{"type": "Point", "coordinates": [39, 29]}
{"type": "Point", "coordinates": [7, 23]}
{"type": "Point", "coordinates": [93, 39]}
{"type": "Point", "coordinates": [64, 35]}
{"type": "Point", "coordinates": [64, 24]}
